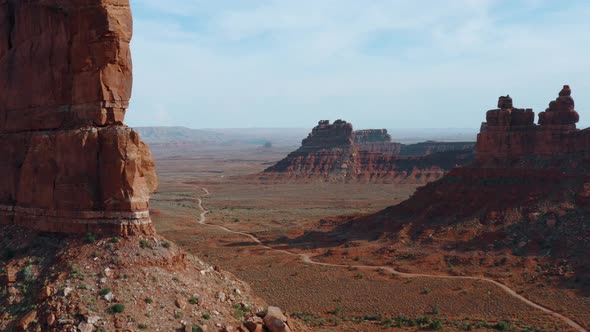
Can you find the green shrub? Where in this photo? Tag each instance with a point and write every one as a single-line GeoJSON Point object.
{"type": "Point", "coordinates": [90, 238]}
{"type": "Point", "coordinates": [143, 244]}
{"type": "Point", "coordinates": [104, 291]}
{"type": "Point", "coordinates": [116, 308]}
{"type": "Point", "coordinates": [149, 300]}
{"type": "Point", "coordinates": [436, 325]}
{"type": "Point", "coordinates": [502, 326]}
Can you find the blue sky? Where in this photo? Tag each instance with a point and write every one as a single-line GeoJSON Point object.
{"type": "Point", "coordinates": [375, 63]}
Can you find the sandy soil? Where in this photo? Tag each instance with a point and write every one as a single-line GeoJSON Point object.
{"type": "Point", "coordinates": [326, 298]}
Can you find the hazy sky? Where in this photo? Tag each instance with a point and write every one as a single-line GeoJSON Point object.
{"type": "Point", "coordinates": [375, 63]}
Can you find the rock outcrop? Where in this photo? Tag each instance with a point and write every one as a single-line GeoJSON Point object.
{"type": "Point", "coordinates": [521, 169]}
{"type": "Point", "coordinates": [371, 136]}
{"type": "Point", "coordinates": [510, 136]}
{"type": "Point", "coordinates": [336, 152]}
{"type": "Point", "coordinates": [69, 163]}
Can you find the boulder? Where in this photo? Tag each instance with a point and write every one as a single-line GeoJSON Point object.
{"type": "Point", "coordinates": [275, 320]}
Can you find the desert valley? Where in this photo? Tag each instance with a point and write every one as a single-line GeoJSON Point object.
{"type": "Point", "coordinates": [110, 227]}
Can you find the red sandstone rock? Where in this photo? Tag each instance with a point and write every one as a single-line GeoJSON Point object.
{"type": "Point", "coordinates": [508, 116]}
{"type": "Point", "coordinates": [510, 135]}
{"type": "Point", "coordinates": [337, 153]}
{"type": "Point", "coordinates": [369, 136]}
{"type": "Point", "coordinates": [69, 163]}
{"type": "Point", "coordinates": [561, 111]}
{"type": "Point", "coordinates": [329, 135]}
{"type": "Point", "coordinates": [64, 63]}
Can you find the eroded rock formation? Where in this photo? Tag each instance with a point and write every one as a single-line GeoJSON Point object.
{"type": "Point", "coordinates": [336, 152]}
{"type": "Point", "coordinates": [69, 163]}
{"type": "Point", "coordinates": [518, 164]}
{"type": "Point", "coordinates": [366, 136]}
{"type": "Point", "coordinates": [510, 135]}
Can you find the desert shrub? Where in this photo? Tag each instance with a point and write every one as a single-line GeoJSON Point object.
{"type": "Point", "coordinates": [104, 291]}
{"type": "Point", "coordinates": [239, 311]}
{"type": "Point", "coordinates": [143, 244]}
{"type": "Point", "coordinates": [116, 308]}
{"type": "Point", "coordinates": [27, 274]}
{"type": "Point", "coordinates": [502, 326]}
{"type": "Point", "coordinates": [337, 311]}
{"type": "Point", "coordinates": [166, 245]}
{"type": "Point", "coordinates": [149, 300]}
{"type": "Point", "coordinates": [436, 325]}
{"type": "Point", "coordinates": [435, 310]}
{"type": "Point", "coordinates": [90, 238]}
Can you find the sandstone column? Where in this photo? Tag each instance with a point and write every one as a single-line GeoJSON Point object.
{"type": "Point", "coordinates": [68, 163]}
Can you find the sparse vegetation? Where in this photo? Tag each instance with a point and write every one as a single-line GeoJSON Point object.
{"type": "Point", "coordinates": [104, 291]}
{"type": "Point", "coordinates": [149, 300]}
{"type": "Point", "coordinates": [145, 244]}
{"type": "Point", "coordinates": [90, 238]}
{"type": "Point", "coordinates": [240, 311]}
{"type": "Point", "coordinates": [116, 308]}
{"type": "Point", "coordinates": [310, 319]}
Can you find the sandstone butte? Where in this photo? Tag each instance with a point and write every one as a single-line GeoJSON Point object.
{"type": "Point", "coordinates": [69, 164]}
{"type": "Point", "coordinates": [518, 164]}
{"type": "Point", "coordinates": [336, 151]}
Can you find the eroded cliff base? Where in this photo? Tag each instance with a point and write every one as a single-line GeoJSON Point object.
{"type": "Point", "coordinates": [65, 283]}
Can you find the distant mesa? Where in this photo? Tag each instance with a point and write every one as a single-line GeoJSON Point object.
{"type": "Point", "coordinates": [335, 151]}
{"type": "Point", "coordinates": [68, 163]}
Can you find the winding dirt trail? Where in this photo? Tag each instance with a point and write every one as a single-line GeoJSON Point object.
{"type": "Point", "coordinates": [307, 258]}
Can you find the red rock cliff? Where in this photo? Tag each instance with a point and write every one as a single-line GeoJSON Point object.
{"type": "Point", "coordinates": [69, 163]}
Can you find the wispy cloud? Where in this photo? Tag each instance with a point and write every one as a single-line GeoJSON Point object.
{"type": "Point", "coordinates": [376, 63]}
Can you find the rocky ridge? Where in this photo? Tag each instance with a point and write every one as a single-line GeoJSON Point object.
{"type": "Point", "coordinates": [337, 152]}
{"type": "Point", "coordinates": [528, 192]}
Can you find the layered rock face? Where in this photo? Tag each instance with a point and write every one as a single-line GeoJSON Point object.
{"type": "Point", "coordinates": [510, 136]}
{"type": "Point", "coordinates": [337, 152]}
{"type": "Point", "coordinates": [333, 135]}
{"type": "Point", "coordinates": [69, 163]}
{"type": "Point", "coordinates": [371, 136]}
{"type": "Point", "coordinates": [518, 164]}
